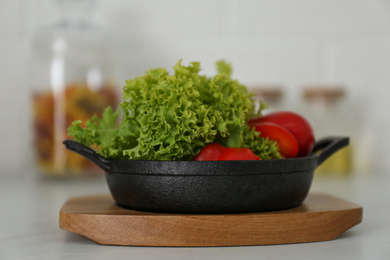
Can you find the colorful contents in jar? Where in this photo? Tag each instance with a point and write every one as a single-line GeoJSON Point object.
{"type": "Point", "coordinates": [53, 112]}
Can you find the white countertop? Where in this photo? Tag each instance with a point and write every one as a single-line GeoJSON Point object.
{"type": "Point", "coordinates": [29, 226]}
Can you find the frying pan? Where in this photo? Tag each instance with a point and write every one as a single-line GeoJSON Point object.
{"type": "Point", "coordinates": [211, 187]}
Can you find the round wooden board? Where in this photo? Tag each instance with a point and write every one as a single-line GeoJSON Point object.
{"type": "Point", "coordinates": [321, 217]}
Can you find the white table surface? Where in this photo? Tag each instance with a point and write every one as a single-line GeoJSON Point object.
{"type": "Point", "coordinates": [29, 226]}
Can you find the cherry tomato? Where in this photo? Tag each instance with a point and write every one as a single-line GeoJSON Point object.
{"type": "Point", "coordinates": [218, 152]}
{"type": "Point", "coordinates": [210, 152]}
{"type": "Point", "coordinates": [288, 144]}
{"type": "Point", "coordinates": [238, 154]}
{"type": "Point", "coordinates": [296, 124]}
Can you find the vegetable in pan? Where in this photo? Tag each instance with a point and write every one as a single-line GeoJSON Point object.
{"type": "Point", "coordinates": [291, 131]}
{"type": "Point", "coordinates": [217, 152]}
{"type": "Point", "coordinates": [174, 116]}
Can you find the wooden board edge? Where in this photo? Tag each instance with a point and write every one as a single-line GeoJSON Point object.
{"type": "Point", "coordinates": [127, 231]}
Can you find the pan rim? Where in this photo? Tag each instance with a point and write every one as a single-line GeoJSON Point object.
{"type": "Point", "coordinates": [213, 168]}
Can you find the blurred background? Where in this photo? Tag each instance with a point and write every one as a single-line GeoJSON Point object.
{"type": "Point", "coordinates": [326, 59]}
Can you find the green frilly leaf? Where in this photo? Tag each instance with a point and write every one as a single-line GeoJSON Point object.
{"type": "Point", "coordinates": [172, 117]}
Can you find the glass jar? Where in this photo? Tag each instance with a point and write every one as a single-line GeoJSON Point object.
{"type": "Point", "coordinates": [273, 95]}
{"type": "Point", "coordinates": [72, 74]}
{"type": "Point", "coordinates": [328, 110]}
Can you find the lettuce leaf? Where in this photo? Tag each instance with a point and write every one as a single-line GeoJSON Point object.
{"type": "Point", "coordinates": [172, 117]}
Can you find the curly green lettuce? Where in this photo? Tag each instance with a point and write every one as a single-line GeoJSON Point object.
{"type": "Point", "coordinates": [172, 117]}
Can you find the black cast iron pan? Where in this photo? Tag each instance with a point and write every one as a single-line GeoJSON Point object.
{"type": "Point", "coordinates": [211, 186]}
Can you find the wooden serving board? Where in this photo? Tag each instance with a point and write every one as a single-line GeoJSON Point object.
{"type": "Point", "coordinates": [321, 217]}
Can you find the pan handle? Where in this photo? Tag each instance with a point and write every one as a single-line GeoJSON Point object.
{"type": "Point", "coordinates": [88, 153]}
{"type": "Point", "coordinates": [328, 146]}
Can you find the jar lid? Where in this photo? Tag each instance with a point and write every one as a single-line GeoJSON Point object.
{"type": "Point", "coordinates": [328, 92]}
{"type": "Point", "coordinates": [269, 93]}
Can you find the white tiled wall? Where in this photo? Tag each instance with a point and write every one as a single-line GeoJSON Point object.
{"type": "Point", "coordinates": [287, 42]}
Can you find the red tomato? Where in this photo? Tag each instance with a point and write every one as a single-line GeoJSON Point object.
{"type": "Point", "coordinates": [210, 152]}
{"type": "Point", "coordinates": [294, 123]}
{"type": "Point", "coordinates": [218, 152]}
{"type": "Point", "coordinates": [288, 144]}
{"type": "Point", "coordinates": [238, 154]}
